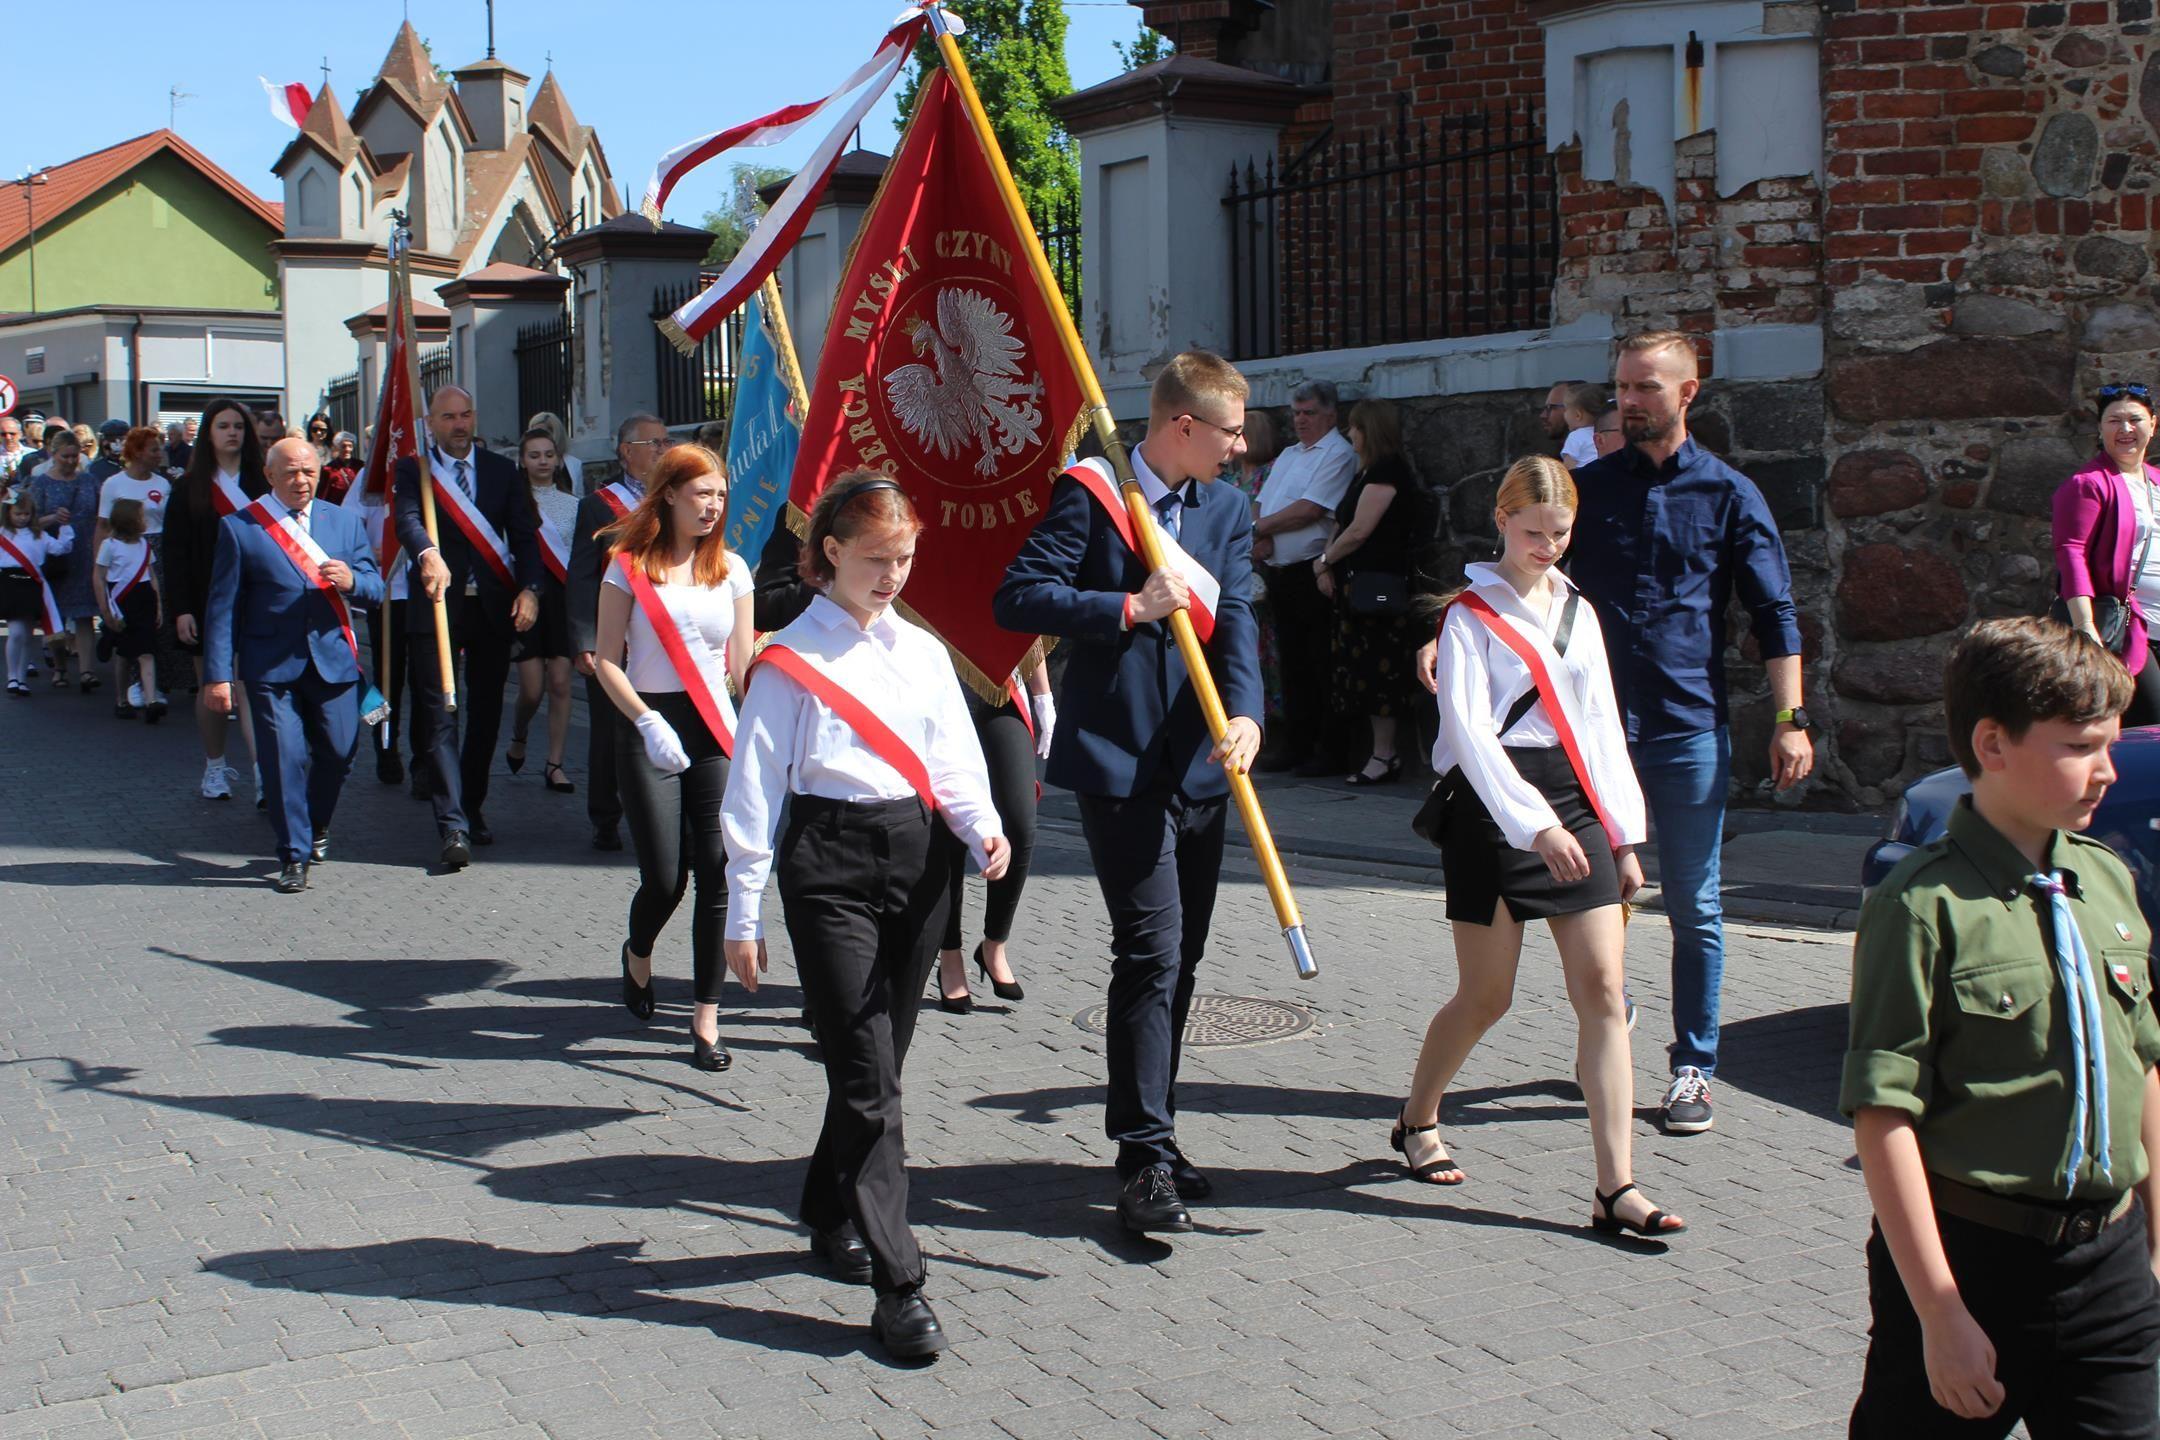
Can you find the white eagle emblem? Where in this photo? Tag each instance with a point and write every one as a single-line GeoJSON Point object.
{"type": "Point", "coordinates": [971, 395]}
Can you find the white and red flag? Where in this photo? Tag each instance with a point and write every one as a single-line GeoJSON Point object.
{"type": "Point", "coordinates": [397, 436]}
{"type": "Point", "coordinates": [289, 104]}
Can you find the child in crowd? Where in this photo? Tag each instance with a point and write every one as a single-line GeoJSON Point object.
{"type": "Point", "coordinates": [26, 600]}
{"type": "Point", "coordinates": [2000, 1075]}
{"type": "Point", "coordinates": [1584, 404]}
{"type": "Point", "coordinates": [131, 607]}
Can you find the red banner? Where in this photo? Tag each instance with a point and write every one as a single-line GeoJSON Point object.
{"type": "Point", "coordinates": [942, 368]}
{"type": "Point", "coordinates": [397, 437]}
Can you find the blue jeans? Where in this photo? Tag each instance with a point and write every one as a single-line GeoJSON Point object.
{"type": "Point", "coordinates": [1683, 781]}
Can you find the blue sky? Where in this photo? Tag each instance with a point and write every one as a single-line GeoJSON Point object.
{"type": "Point", "coordinates": [647, 74]}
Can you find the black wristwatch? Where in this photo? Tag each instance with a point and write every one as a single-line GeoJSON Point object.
{"type": "Point", "coordinates": [1797, 717]}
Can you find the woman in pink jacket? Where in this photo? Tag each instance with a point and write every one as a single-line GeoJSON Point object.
{"type": "Point", "coordinates": [2107, 538]}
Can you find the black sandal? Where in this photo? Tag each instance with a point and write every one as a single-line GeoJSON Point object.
{"type": "Point", "coordinates": [1652, 1228]}
{"type": "Point", "coordinates": [552, 773]}
{"type": "Point", "coordinates": [1400, 1140]}
{"type": "Point", "coordinates": [1390, 769]}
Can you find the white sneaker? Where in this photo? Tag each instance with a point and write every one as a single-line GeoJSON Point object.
{"type": "Point", "coordinates": [1687, 1102]}
{"type": "Point", "coordinates": [135, 694]}
{"type": "Point", "coordinates": [215, 785]}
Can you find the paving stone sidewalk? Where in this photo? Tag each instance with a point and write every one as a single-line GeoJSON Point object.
{"type": "Point", "coordinates": [389, 1159]}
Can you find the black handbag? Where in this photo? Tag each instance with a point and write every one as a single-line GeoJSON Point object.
{"type": "Point", "coordinates": [1378, 592]}
{"type": "Point", "coordinates": [1431, 821]}
{"type": "Point", "coordinates": [2111, 617]}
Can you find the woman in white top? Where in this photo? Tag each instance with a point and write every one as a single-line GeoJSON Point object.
{"type": "Point", "coordinates": [543, 652]}
{"type": "Point", "coordinates": [857, 714]}
{"type": "Point", "coordinates": [671, 766]}
{"type": "Point", "coordinates": [1524, 837]}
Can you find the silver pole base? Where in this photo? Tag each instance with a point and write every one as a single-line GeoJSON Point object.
{"type": "Point", "coordinates": [1301, 953]}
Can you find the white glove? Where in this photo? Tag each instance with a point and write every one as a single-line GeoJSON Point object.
{"type": "Point", "coordinates": [1045, 711]}
{"type": "Point", "coordinates": [662, 746]}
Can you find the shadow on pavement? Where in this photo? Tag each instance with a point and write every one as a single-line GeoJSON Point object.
{"type": "Point", "coordinates": [1793, 1058]}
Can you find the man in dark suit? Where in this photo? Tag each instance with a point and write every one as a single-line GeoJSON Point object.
{"type": "Point", "coordinates": [490, 583]}
{"type": "Point", "coordinates": [638, 443]}
{"type": "Point", "coordinates": [1134, 745]}
{"type": "Point", "coordinates": [271, 623]}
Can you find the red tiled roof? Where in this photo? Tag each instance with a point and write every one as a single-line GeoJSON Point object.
{"type": "Point", "coordinates": [68, 185]}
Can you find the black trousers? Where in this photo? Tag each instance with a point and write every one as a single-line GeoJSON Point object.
{"type": "Point", "coordinates": [1157, 857]}
{"type": "Point", "coordinates": [1009, 752]}
{"type": "Point", "coordinates": [1305, 653]}
{"type": "Point", "coordinates": [2145, 694]}
{"type": "Point", "coordinates": [603, 791]}
{"type": "Point", "coordinates": [458, 772]}
{"type": "Point", "coordinates": [862, 887]}
{"type": "Point", "coordinates": [382, 619]}
{"type": "Point", "coordinates": [675, 832]}
{"type": "Point", "coordinates": [2076, 1331]}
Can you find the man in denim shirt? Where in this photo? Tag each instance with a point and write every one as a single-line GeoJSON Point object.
{"type": "Point", "coordinates": [1665, 534]}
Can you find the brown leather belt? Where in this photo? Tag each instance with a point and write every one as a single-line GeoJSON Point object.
{"type": "Point", "coordinates": [2040, 1220]}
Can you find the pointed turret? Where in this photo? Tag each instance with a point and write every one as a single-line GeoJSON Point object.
{"type": "Point", "coordinates": [408, 65]}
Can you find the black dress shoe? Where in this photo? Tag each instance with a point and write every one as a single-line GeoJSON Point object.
{"type": "Point", "coordinates": [320, 850]}
{"type": "Point", "coordinates": [1191, 1183]}
{"type": "Point", "coordinates": [906, 1326]}
{"type": "Point", "coordinates": [292, 879]}
{"type": "Point", "coordinates": [637, 999]}
{"type": "Point", "coordinates": [709, 1054]}
{"type": "Point", "coordinates": [606, 837]}
{"type": "Point", "coordinates": [844, 1250]}
{"type": "Point", "coordinates": [481, 835]}
{"type": "Point", "coordinates": [1003, 989]}
{"type": "Point", "coordinates": [457, 850]}
{"type": "Point", "coordinates": [1149, 1204]}
{"type": "Point", "coordinates": [389, 766]}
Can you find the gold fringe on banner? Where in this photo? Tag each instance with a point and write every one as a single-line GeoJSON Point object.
{"type": "Point", "coordinates": [651, 212]}
{"type": "Point", "coordinates": [675, 335]}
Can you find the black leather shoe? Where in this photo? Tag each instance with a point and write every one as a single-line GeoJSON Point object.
{"type": "Point", "coordinates": [1191, 1183]}
{"type": "Point", "coordinates": [292, 879]}
{"type": "Point", "coordinates": [906, 1326]}
{"type": "Point", "coordinates": [320, 850]}
{"type": "Point", "coordinates": [457, 850]}
{"type": "Point", "coordinates": [481, 835]}
{"type": "Point", "coordinates": [709, 1054]}
{"type": "Point", "coordinates": [607, 837]}
{"type": "Point", "coordinates": [844, 1250]}
{"type": "Point", "coordinates": [389, 767]}
{"type": "Point", "coordinates": [1149, 1204]}
{"type": "Point", "coordinates": [1003, 989]}
{"type": "Point", "coordinates": [637, 999]}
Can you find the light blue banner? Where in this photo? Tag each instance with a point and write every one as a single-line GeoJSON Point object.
{"type": "Point", "coordinates": [762, 439]}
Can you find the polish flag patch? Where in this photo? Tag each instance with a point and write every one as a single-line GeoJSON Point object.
{"type": "Point", "coordinates": [2121, 974]}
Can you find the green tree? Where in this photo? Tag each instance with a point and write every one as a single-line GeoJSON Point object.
{"type": "Point", "coordinates": [1015, 50]}
{"type": "Point", "coordinates": [1147, 47]}
{"type": "Point", "coordinates": [732, 223]}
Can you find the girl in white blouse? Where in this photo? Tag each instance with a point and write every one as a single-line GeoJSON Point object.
{"type": "Point", "coordinates": [857, 715]}
{"type": "Point", "coordinates": [672, 759]}
{"type": "Point", "coordinates": [1524, 837]}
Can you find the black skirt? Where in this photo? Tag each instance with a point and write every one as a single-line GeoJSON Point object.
{"type": "Point", "coordinates": [1483, 869]}
{"type": "Point", "coordinates": [19, 597]}
{"type": "Point", "coordinates": [549, 638]}
{"type": "Point", "coordinates": [139, 636]}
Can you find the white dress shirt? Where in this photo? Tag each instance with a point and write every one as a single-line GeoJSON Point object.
{"type": "Point", "coordinates": [708, 612]}
{"type": "Point", "coordinates": [1320, 472]}
{"type": "Point", "coordinates": [1480, 681]}
{"type": "Point", "coordinates": [788, 741]}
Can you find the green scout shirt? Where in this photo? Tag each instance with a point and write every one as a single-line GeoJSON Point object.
{"type": "Point", "coordinates": [1955, 1020]}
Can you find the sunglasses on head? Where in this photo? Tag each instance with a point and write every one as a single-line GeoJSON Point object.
{"type": "Point", "coordinates": [2109, 394]}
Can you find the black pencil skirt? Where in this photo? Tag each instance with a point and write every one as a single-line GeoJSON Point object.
{"type": "Point", "coordinates": [1483, 869]}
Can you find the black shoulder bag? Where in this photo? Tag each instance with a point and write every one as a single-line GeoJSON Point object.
{"type": "Point", "coordinates": [1431, 820]}
{"type": "Point", "coordinates": [2111, 616]}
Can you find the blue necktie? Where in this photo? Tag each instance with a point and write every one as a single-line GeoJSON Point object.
{"type": "Point", "coordinates": [1169, 511]}
{"type": "Point", "coordinates": [2088, 1042]}
{"type": "Point", "coordinates": [463, 483]}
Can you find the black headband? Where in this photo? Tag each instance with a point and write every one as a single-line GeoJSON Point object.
{"type": "Point", "coordinates": [859, 488]}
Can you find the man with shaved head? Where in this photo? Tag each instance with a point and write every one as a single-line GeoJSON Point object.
{"type": "Point", "coordinates": [486, 571]}
{"type": "Point", "coordinates": [285, 574]}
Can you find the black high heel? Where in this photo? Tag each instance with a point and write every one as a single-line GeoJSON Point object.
{"type": "Point", "coordinates": [1653, 1226]}
{"type": "Point", "coordinates": [552, 774]}
{"type": "Point", "coordinates": [514, 754]}
{"type": "Point", "coordinates": [709, 1054]}
{"type": "Point", "coordinates": [963, 1005]}
{"type": "Point", "coordinates": [637, 999]}
{"type": "Point", "coordinates": [1000, 988]}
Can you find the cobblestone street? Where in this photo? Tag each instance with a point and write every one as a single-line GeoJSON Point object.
{"type": "Point", "coordinates": [390, 1160]}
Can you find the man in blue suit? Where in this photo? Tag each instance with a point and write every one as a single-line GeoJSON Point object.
{"type": "Point", "coordinates": [1134, 746]}
{"type": "Point", "coordinates": [271, 624]}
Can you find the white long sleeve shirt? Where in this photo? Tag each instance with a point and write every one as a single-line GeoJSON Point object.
{"type": "Point", "coordinates": [37, 547]}
{"type": "Point", "coordinates": [789, 741]}
{"type": "Point", "coordinates": [1480, 681]}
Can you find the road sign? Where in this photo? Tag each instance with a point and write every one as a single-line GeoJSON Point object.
{"type": "Point", "coordinates": [7, 394]}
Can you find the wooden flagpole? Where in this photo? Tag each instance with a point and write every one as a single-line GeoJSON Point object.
{"type": "Point", "coordinates": [443, 653]}
{"type": "Point", "coordinates": [1143, 515]}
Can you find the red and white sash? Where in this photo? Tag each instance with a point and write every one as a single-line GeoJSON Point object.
{"type": "Point", "coordinates": [712, 703]}
{"type": "Point", "coordinates": [554, 553]}
{"type": "Point", "coordinates": [880, 738]}
{"type": "Point", "coordinates": [142, 569]}
{"type": "Point", "coordinates": [486, 541]}
{"type": "Point", "coordinates": [620, 498]}
{"type": "Point", "coordinates": [1097, 478]}
{"type": "Point", "coordinates": [1558, 706]}
{"type": "Point", "coordinates": [54, 625]}
{"type": "Point", "coordinates": [226, 494]}
{"type": "Point", "coordinates": [307, 557]}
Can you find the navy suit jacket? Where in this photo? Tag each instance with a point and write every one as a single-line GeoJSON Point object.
{"type": "Point", "coordinates": [1128, 715]}
{"type": "Point", "coordinates": [267, 624]}
{"type": "Point", "coordinates": [502, 496]}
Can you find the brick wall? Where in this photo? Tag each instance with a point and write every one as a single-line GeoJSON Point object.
{"type": "Point", "coordinates": [1444, 56]}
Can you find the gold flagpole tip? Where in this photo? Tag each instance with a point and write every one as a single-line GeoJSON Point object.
{"type": "Point", "coordinates": [675, 335]}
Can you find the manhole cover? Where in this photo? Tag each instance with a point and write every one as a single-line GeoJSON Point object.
{"type": "Point", "coordinates": [1222, 1020]}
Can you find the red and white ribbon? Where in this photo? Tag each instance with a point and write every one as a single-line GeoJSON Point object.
{"type": "Point", "coordinates": [620, 498]}
{"type": "Point", "coordinates": [554, 552]}
{"type": "Point", "coordinates": [307, 557]}
{"type": "Point", "coordinates": [878, 737]}
{"type": "Point", "coordinates": [777, 232]}
{"type": "Point", "coordinates": [142, 570]}
{"type": "Point", "coordinates": [1096, 477]}
{"type": "Point", "coordinates": [712, 702]}
{"type": "Point", "coordinates": [290, 103]}
{"type": "Point", "coordinates": [486, 541]}
{"type": "Point", "coordinates": [54, 625]}
{"type": "Point", "coordinates": [1532, 654]}
{"type": "Point", "coordinates": [226, 494]}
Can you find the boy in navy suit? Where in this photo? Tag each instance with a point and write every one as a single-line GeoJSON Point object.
{"type": "Point", "coordinates": [1134, 746]}
{"type": "Point", "coordinates": [294, 651]}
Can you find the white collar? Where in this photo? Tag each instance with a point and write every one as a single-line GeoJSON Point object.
{"type": "Point", "coordinates": [828, 613]}
{"type": "Point", "coordinates": [1322, 442]}
{"type": "Point", "coordinates": [1151, 484]}
{"type": "Point", "coordinates": [1486, 579]}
